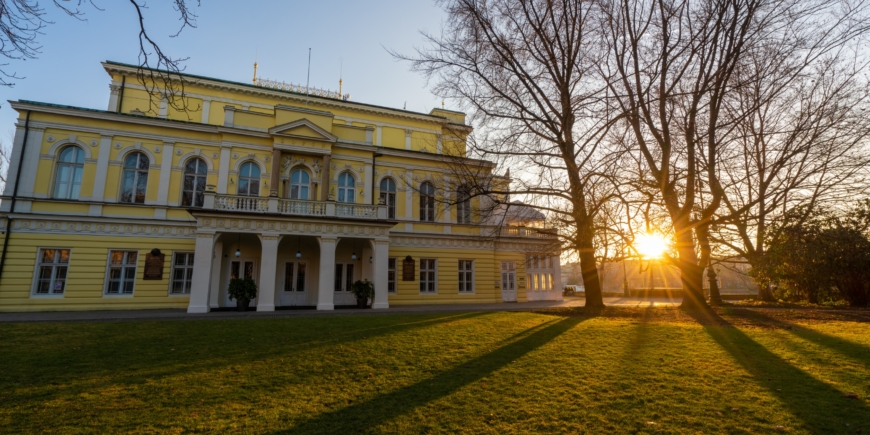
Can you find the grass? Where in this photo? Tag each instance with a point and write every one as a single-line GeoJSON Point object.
{"type": "Point", "coordinates": [566, 371]}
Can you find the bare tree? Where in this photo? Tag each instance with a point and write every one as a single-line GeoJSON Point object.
{"type": "Point", "coordinates": [525, 70]}
{"type": "Point", "coordinates": [22, 22]}
{"type": "Point", "coordinates": [673, 67]}
{"type": "Point", "coordinates": [801, 148]}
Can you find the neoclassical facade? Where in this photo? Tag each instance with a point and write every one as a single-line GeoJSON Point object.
{"type": "Point", "coordinates": [145, 206]}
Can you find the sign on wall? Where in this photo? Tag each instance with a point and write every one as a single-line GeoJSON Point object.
{"type": "Point", "coordinates": [154, 266]}
{"type": "Point", "coordinates": [408, 269]}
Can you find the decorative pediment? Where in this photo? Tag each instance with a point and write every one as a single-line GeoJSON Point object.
{"type": "Point", "coordinates": [303, 129]}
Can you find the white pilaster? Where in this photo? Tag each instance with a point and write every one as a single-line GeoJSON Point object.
{"type": "Point", "coordinates": [202, 262]}
{"type": "Point", "coordinates": [224, 171]}
{"type": "Point", "coordinates": [438, 147]}
{"type": "Point", "coordinates": [206, 105]}
{"type": "Point", "coordinates": [380, 135]}
{"type": "Point", "coordinates": [408, 139]}
{"type": "Point", "coordinates": [165, 173]}
{"type": "Point", "coordinates": [164, 108]}
{"type": "Point", "coordinates": [31, 161]}
{"type": "Point", "coordinates": [214, 288]}
{"type": "Point", "coordinates": [379, 264]}
{"type": "Point", "coordinates": [327, 272]}
{"type": "Point", "coordinates": [409, 195]}
{"type": "Point", "coordinates": [268, 271]}
{"type": "Point", "coordinates": [14, 163]}
{"type": "Point", "coordinates": [369, 179]}
{"type": "Point", "coordinates": [102, 167]}
{"type": "Point", "coordinates": [114, 91]}
{"type": "Point", "coordinates": [557, 273]}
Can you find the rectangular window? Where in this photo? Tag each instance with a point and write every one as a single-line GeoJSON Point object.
{"type": "Point", "coordinates": [339, 274]}
{"type": "Point", "coordinates": [531, 285]}
{"type": "Point", "coordinates": [182, 273]}
{"type": "Point", "coordinates": [552, 284]}
{"type": "Point", "coordinates": [466, 276]}
{"type": "Point", "coordinates": [427, 275]}
{"type": "Point", "coordinates": [538, 283]}
{"type": "Point", "coordinates": [289, 269]}
{"type": "Point", "coordinates": [391, 275]}
{"type": "Point", "coordinates": [51, 271]}
{"type": "Point", "coordinates": [122, 272]}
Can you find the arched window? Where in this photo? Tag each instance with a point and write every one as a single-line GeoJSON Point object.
{"type": "Point", "coordinates": [463, 205]}
{"type": "Point", "coordinates": [195, 172]}
{"type": "Point", "coordinates": [346, 187]}
{"type": "Point", "coordinates": [68, 181]}
{"type": "Point", "coordinates": [300, 182]}
{"type": "Point", "coordinates": [427, 202]}
{"type": "Point", "coordinates": [249, 179]}
{"type": "Point", "coordinates": [388, 196]}
{"type": "Point", "coordinates": [135, 178]}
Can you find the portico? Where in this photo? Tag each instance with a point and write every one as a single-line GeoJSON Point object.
{"type": "Point", "coordinates": [295, 260]}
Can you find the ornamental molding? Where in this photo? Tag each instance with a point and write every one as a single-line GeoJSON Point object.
{"type": "Point", "coordinates": [291, 226]}
{"type": "Point", "coordinates": [101, 228]}
{"type": "Point", "coordinates": [440, 242]}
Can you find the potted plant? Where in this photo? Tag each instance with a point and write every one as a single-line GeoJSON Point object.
{"type": "Point", "coordinates": [363, 290]}
{"type": "Point", "coordinates": [242, 290]}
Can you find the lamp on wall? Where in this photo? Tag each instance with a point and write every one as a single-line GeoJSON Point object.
{"type": "Point", "coordinates": [298, 247]}
{"type": "Point", "coordinates": [239, 246]}
{"type": "Point", "coordinates": [353, 255]}
{"type": "Point", "coordinates": [370, 259]}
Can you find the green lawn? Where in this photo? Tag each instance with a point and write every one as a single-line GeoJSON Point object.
{"type": "Point", "coordinates": [625, 372]}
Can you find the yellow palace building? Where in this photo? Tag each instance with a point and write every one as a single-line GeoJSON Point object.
{"type": "Point", "coordinates": [305, 191]}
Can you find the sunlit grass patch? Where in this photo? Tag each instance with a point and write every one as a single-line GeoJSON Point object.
{"type": "Point", "coordinates": [625, 371]}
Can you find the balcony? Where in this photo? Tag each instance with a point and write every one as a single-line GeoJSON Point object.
{"type": "Point", "coordinates": [292, 207]}
{"type": "Point", "coordinates": [533, 233]}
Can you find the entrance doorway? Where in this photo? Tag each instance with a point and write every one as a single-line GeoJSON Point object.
{"type": "Point", "coordinates": [344, 278]}
{"type": "Point", "coordinates": [241, 268]}
{"type": "Point", "coordinates": [295, 284]}
{"type": "Point", "coordinates": [508, 281]}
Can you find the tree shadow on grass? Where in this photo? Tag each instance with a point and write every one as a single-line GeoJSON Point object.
{"type": "Point", "coordinates": [820, 407]}
{"type": "Point", "coordinates": [367, 415]}
{"type": "Point", "coordinates": [842, 346]}
{"type": "Point", "coordinates": [41, 365]}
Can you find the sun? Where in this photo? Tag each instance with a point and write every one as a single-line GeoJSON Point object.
{"type": "Point", "coordinates": [651, 246]}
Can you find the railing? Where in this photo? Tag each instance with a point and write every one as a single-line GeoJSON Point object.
{"type": "Point", "coordinates": [241, 203]}
{"type": "Point", "coordinates": [294, 207]}
{"type": "Point", "coordinates": [357, 211]}
{"type": "Point", "coordinates": [533, 233]}
{"type": "Point", "coordinates": [305, 208]}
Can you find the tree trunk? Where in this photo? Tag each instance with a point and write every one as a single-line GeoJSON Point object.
{"type": "Point", "coordinates": [589, 271]}
{"type": "Point", "coordinates": [691, 273]}
{"type": "Point", "coordinates": [764, 293]}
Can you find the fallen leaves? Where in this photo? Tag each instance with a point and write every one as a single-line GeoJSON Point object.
{"type": "Point", "coordinates": [851, 396]}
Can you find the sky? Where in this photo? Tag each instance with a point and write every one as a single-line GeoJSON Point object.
{"type": "Point", "coordinates": [348, 38]}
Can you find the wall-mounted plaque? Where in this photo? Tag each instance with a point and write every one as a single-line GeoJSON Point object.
{"type": "Point", "coordinates": [408, 269]}
{"type": "Point", "coordinates": [154, 266]}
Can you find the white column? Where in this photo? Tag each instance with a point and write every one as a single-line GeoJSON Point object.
{"type": "Point", "coordinates": [114, 90]}
{"type": "Point", "coordinates": [215, 290]}
{"type": "Point", "coordinates": [369, 177]}
{"type": "Point", "coordinates": [268, 271]}
{"type": "Point", "coordinates": [165, 173]}
{"type": "Point", "coordinates": [224, 171]}
{"type": "Point", "coordinates": [379, 271]}
{"type": "Point", "coordinates": [557, 274]}
{"type": "Point", "coordinates": [327, 272]}
{"type": "Point", "coordinates": [202, 261]}
{"type": "Point", "coordinates": [164, 108]}
{"type": "Point", "coordinates": [206, 105]}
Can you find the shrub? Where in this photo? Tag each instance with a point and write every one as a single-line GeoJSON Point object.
{"type": "Point", "coordinates": [242, 289]}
